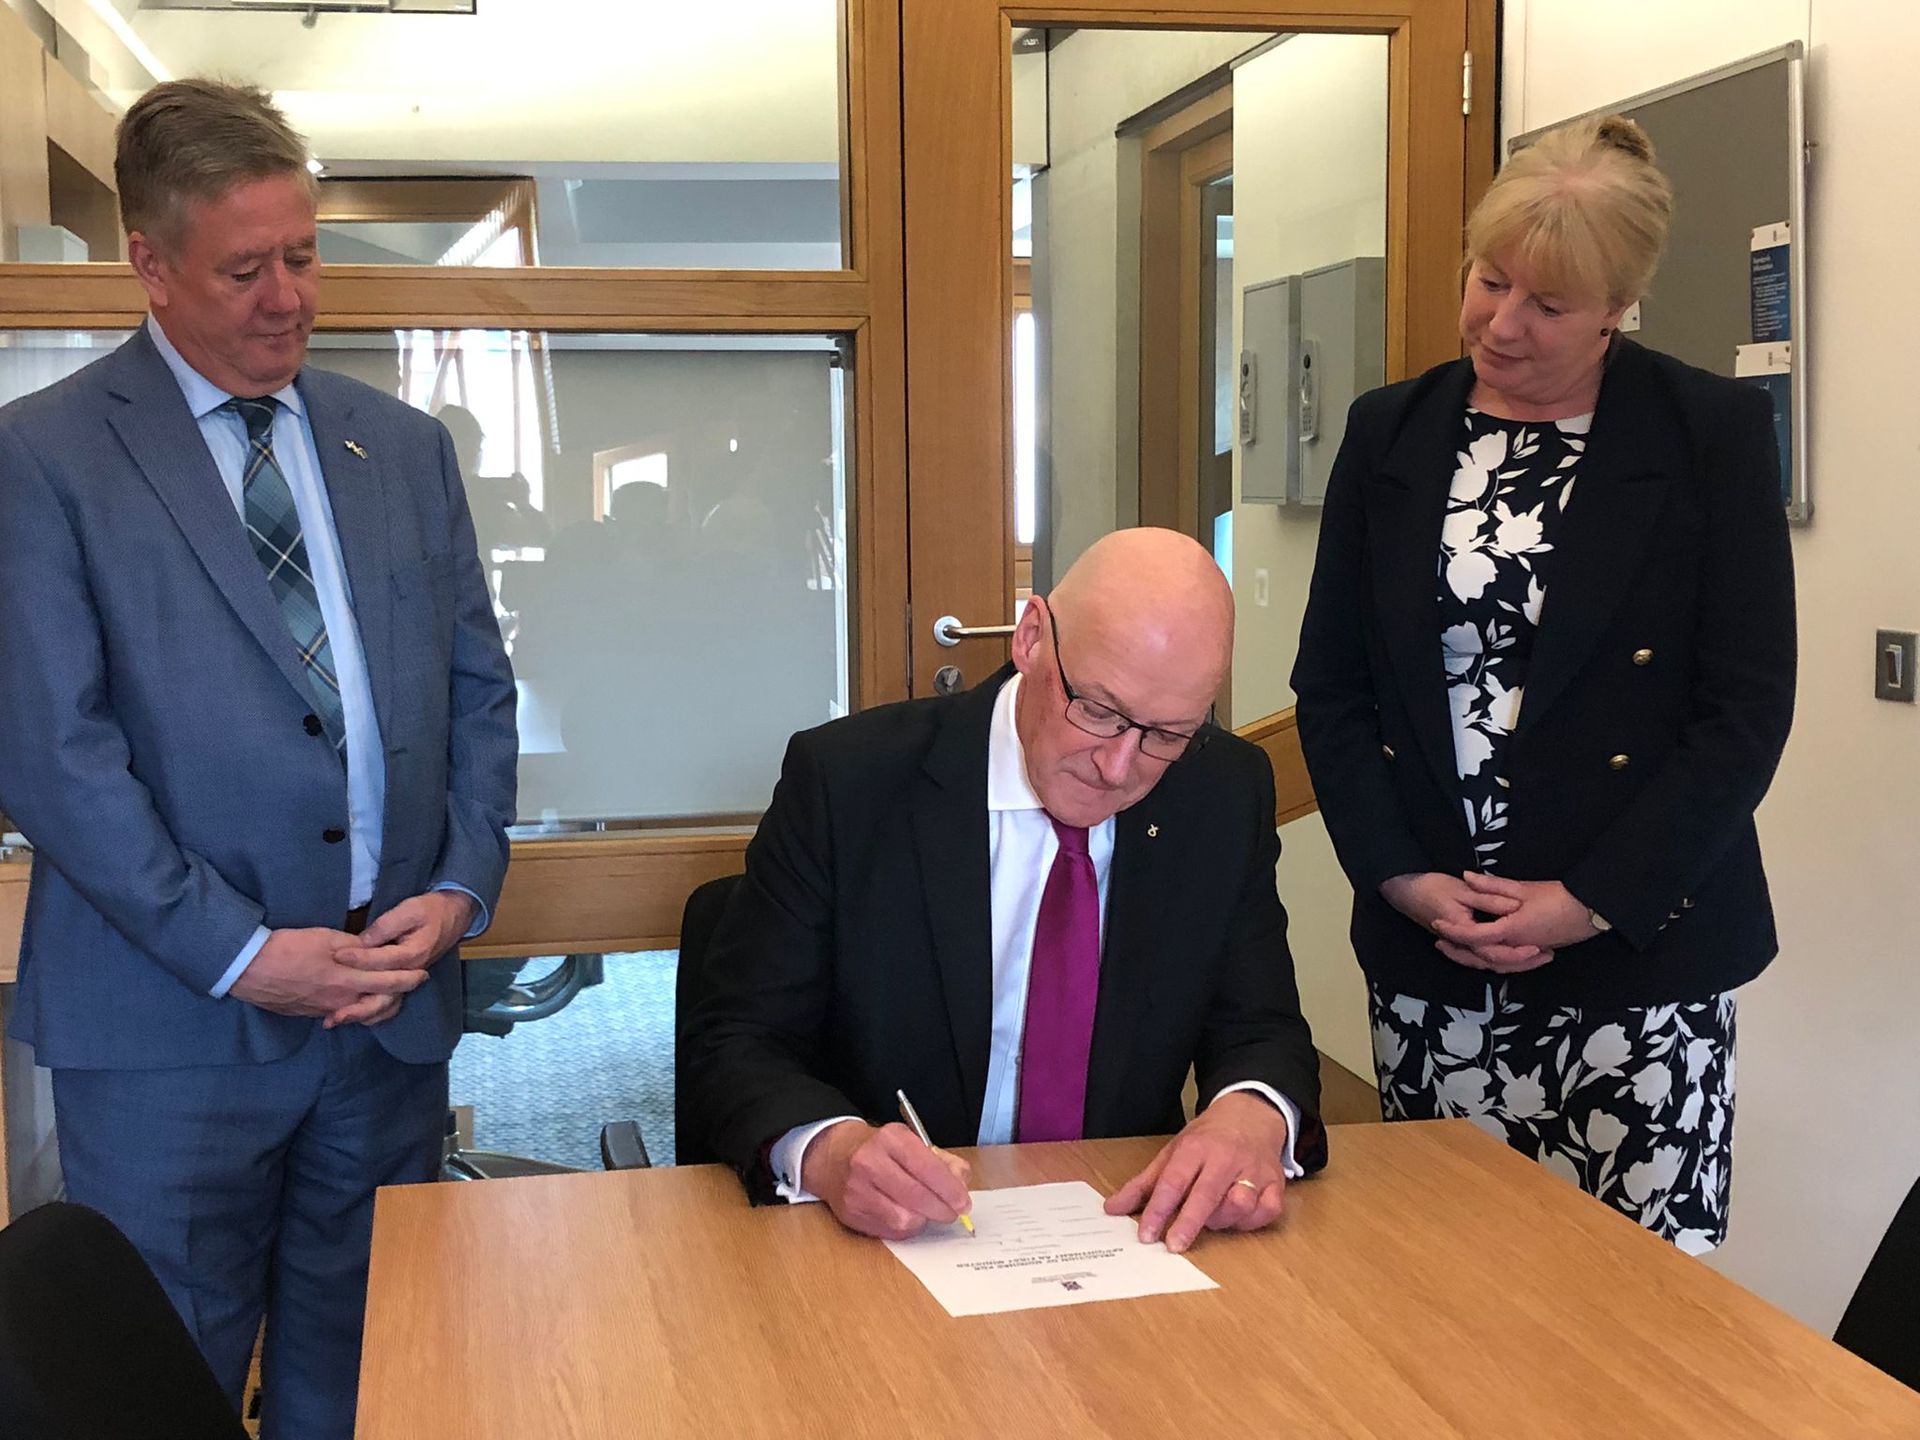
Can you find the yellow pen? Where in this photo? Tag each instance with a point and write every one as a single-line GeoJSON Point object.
{"type": "Point", "coordinates": [912, 1117]}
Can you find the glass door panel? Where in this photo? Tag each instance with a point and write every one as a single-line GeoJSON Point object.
{"type": "Point", "coordinates": [663, 522]}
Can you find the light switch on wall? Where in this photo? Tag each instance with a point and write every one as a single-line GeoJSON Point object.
{"type": "Point", "coordinates": [1260, 588]}
{"type": "Point", "coordinates": [1893, 665]}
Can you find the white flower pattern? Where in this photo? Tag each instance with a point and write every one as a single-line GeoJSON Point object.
{"type": "Point", "coordinates": [1607, 1049]}
{"type": "Point", "coordinates": [1509, 488]}
{"type": "Point", "coordinates": [1604, 1131]}
{"type": "Point", "coordinates": [1634, 1106]}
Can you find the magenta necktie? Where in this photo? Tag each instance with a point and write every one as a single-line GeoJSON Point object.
{"type": "Point", "coordinates": [1062, 986]}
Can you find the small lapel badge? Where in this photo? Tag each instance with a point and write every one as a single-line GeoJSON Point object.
{"type": "Point", "coordinates": [1152, 831]}
{"type": "Point", "coordinates": [354, 446]}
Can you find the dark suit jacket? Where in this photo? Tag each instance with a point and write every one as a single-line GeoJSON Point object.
{"type": "Point", "coordinates": [1659, 697]}
{"type": "Point", "coordinates": [153, 743]}
{"type": "Point", "coordinates": [856, 957]}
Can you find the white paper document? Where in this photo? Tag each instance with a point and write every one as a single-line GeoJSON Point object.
{"type": "Point", "coordinates": [1040, 1245]}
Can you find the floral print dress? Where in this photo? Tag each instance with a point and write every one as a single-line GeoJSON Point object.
{"type": "Point", "coordinates": [1509, 491]}
{"type": "Point", "coordinates": [1635, 1105]}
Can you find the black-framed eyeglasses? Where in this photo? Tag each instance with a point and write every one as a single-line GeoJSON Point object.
{"type": "Point", "coordinates": [1108, 723]}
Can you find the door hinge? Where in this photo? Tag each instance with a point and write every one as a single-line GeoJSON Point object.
{"type": "Point", "coordinates": [1466, 82]}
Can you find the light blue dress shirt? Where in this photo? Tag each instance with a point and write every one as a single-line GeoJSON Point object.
{"type": "Point", "coordinates": [293, 450]}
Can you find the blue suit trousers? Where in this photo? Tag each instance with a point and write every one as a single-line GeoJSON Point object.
{"type": "Point", "coordinates": [249, 1190]}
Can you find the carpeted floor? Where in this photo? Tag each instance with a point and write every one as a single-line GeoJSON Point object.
{"type": "Point", "coordinates": [545, 1089]}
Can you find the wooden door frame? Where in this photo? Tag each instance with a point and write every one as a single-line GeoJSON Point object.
{"type": "Point", "coordinates": [510, 203]}
{"type": "Point", "coordinates": [957, 134]}
{"type": "Point", "coordinates": [1178, 156]}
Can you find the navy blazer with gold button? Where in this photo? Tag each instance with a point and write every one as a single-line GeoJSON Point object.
{"type": "Point", "coordinates": [1657, 704]}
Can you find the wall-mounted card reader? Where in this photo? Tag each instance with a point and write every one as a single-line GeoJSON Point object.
{"type": "Point", "coordinates": [1249, 396]}
{"type": "Point", "coordinates": [1309, 390]}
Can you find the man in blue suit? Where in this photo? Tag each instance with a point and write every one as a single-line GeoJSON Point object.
{"type": "Point", "coordinates": [257, 721]}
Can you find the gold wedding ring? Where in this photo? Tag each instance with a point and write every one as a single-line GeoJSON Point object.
{"type": "Point", "coordinates": [1250, 1184]}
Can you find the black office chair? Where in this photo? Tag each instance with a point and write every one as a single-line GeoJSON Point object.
{"type": "Point", "coordinates": [500, 995]}
{"type": "Point", "coordinates": [1882, 1323]}
{"type": "Point", "coordinates": [621, 1148]}
{"type": "Point", "coordinates": [90, 1346]}
{"type": "Point", "coordinates": [697, 923]}
{"type": "Point", "coordinates": [503, 993]}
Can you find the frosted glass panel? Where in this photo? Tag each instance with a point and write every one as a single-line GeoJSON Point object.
{"type": "Point", "coordinates": [664, 526]}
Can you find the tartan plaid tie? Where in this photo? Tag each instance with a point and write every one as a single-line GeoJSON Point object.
{"type": "Point", "coordinates": [273, 525]}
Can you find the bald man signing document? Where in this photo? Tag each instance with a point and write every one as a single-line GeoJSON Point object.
{"type": "Point", "coordinates": [1031, 907]}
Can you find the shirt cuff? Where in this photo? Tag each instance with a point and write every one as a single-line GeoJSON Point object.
{"type": "Point", "coordinates": [240, 962]}
{"type": "Point", "coordinates": [790, 1151]}
{"type": "Point", "coordinates": [482, 917]}
{"type": "Point", "coordinates": [1288, 1165]}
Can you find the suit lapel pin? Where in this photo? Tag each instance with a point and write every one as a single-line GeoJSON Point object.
{"type": "Point", "coordinates": [1152, 831]}
{"type": "Point", "coordinates": [354, 446]}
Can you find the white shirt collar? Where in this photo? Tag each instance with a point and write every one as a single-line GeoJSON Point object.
{"type": "Point", "coordinates": [203, 396]}
{"type": "Point", "coordinates": [1007, 785]}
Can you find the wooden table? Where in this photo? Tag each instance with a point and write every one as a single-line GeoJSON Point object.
{"type": "Point", "coordinates": [1431, 1284]}
{"type": "Point", "coordinates": [13, 908]}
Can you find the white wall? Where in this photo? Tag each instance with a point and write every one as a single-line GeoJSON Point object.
{"type": "Point", "coordinates": [1309, 189]}
{"type": "Point", "coordinates": [1827, 1134]}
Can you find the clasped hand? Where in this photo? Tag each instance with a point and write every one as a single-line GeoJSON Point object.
{"type": "Point", "coordinates": [1531, 920]}
{"type": "Point", "coordinates": [355, 979]}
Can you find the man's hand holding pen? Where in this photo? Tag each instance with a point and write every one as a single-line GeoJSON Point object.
{"type": "Point", "coordinates": [884, 1182]}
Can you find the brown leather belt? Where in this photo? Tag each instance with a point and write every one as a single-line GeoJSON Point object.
{"type": "Point", "coordinates": [356, 920]}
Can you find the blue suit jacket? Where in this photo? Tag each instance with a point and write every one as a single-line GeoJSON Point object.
{"type": "Point", "coordinates": [152, 707]}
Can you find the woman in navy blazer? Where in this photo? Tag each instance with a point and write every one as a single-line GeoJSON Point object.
{"type": "Point", "coordinates": [1544, 678]}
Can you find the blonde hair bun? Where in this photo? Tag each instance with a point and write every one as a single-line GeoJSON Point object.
{"type": "Point", "coordinates": [1618, 132]}
{"type": "Point", "coordinates": [1584, 208]}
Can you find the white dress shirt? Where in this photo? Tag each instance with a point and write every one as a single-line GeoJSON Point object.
{"type": "Point", "coordinates": [1021, 846]}
{"type": "Point", "coordinates": [225, 432]}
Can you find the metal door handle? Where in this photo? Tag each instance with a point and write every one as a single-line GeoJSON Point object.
{"type": "Point", "coordinates": [949, 631]}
